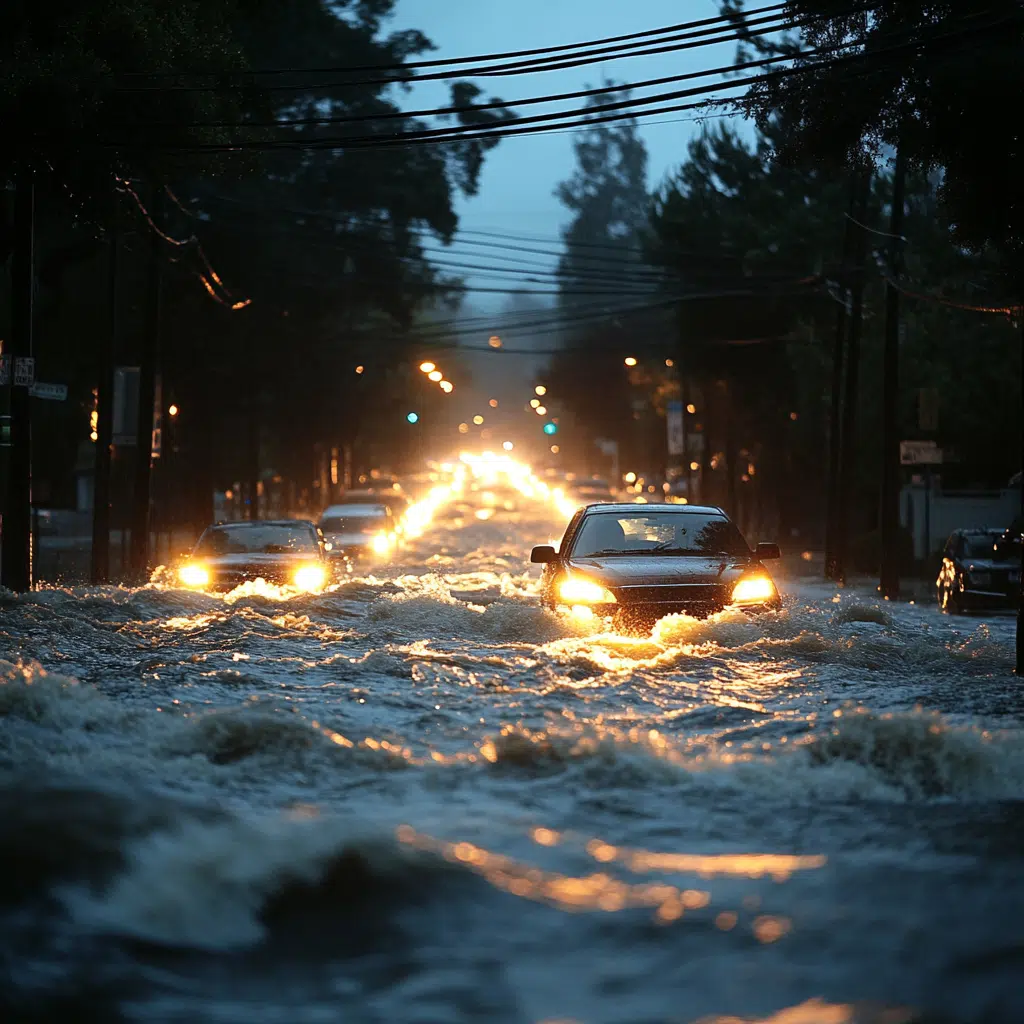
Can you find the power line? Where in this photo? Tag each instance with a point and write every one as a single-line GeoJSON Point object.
{"type": "Point", "coordinates": [584, 58]}
{"type": "Point", "coordinates": [615, 111]}
{"type": "Point", "coordinates": [484, 57]}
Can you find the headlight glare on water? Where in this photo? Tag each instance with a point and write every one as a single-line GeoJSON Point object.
{"type": "Point", "coordinates": [753, 590]}
{"type": "Point", "coordinates": [310, 577]}
{"type": "Point", "coordinates": [193, 575]}
{"type": "Point", "coordinates": [575, 591]}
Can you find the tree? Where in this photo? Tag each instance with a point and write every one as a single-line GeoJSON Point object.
{"type": "Point", "coordinates": [896, 73]}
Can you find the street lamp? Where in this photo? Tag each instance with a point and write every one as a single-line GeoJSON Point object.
{"type": "Point", "coordinates": [630, 360]}
{"type": "Point", "coordinates": [427, 367]}
{"type": "Point", "coordinates": [540, 390]}
{"type": "Point", "coordinates": [435, 375]}
{"type": "Point", "coordinates": [172, 410]}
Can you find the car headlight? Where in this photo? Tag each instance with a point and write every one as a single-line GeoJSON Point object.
{"type": "Point", "coordinates": [579, 591]}
{"type": "Point", "coordinates": [310, 577]}
{"type": "Point", "coordinates": [193, 575]}
{"type": "Point", "coordinates": [381, 544]}
{"type": "Point", "coordinates": [753, 590]}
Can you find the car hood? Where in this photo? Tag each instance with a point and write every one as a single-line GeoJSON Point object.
{"type": "Point", "coordinates": [653, 570]}
{"type": "Point", "coordinates": [988, 564]}
{"type": "Point", "coordinates": [349, 540]}
{"type": "Point", "coordinates": [256, 559]}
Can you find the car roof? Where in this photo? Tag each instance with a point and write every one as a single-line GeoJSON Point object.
{"type": "Point", "coordinates": [248, 523]}
{"type": "Point", "coordinates": [633, 506]}
{"type": "Point", "coordinates": [362, 509]}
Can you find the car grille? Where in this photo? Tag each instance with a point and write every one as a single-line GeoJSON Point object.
{"type": "Point", "coordinates": [680, 594]}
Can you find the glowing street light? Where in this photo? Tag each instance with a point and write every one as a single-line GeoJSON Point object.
{"type": "Point", "coordinates": [691, 408]}
{"type": "Point", "coordinates": [541, 410]}
{"type": "Point", "coordinates": [172, 410]}
{"type": "Point", "coordinates": [507, 445]}
{"type": "Point", "coordinates": [630, 360]}
{"type": "Point", "coordinates": [446, 386]}
{"type": "Point", "coordinates": [670, 363]}
{"type": "Point", "coordinates": [493, 403]}
{"type": "Point", "coordinates": [540, 390]}
{"type": "Point", "coordinates": [494, 341]}
{"type": "Point", "coordinates": [435, 375]}
{"type": "Point", "coordinates": [478, 420]}
{"type": "Point", "coordinates": [360, 369]}
{"type": "Point", "coordinates": [427, 367]}
{"type": "Point", "coordinates": [534, 402]}
{"type": "Point", "coordinates": [413, 417]}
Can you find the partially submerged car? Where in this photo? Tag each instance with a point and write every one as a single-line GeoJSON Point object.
{"type": "Point", "coordinates": [287, 552]}
{"type": "Point", "coordinates": [638, 563]}
{"type": "Point", "coordinates": [980, 570]}
{"type": "Point", "coordinates": [360, 531]}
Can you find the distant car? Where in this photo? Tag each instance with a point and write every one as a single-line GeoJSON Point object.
{"type": "Point", "coordinates": [638, 563]}
{"type": "Point", "coordinates": [590, 491]}
{"type": "Point", "coordinates": [398, 503]}
{"type": "Point", "coordinates": [289, 552]}
{"type": "Point", "coordinates": [980, 570]}
{"type": "Point", "coordinates": [359, 531]}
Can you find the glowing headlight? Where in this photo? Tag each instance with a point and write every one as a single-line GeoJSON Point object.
{"type": "Point", "coordinates": [193, 576]}
{"type": "Point", "coordinates": [753, 590]}
{"type": "Point", "coordinates": [577, 591]}
{"type": "Point", "coordinates": [310, 577]}
{"type": "Point", "coordinates": [381, 544]}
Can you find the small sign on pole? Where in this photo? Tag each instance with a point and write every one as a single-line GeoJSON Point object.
{"type": "Point", "coordinates": [55, 392]}
{"type": "Point", "coordinates": [920, 453]}
{"type": "Point", "coordinates": [24, 371]}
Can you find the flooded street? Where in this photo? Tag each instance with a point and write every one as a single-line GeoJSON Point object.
{"type": "Point", "coordinates": [421, 797]}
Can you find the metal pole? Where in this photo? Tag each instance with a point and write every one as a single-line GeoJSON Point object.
{"type": "Point", "coordinates": [889, 577]}
{"type": "Point", "coordinates": [849, 424]}
{"type": "Point", "coordinates": [16, 565]}
{"type": "Point", "coordinates": [1020, 590]}
{"type": "Point", "coordinates": [100, 568]}
{"type": "Point", "coordinates": [835, 412]}
{"type": "Point", "coordinates": [147, 398]}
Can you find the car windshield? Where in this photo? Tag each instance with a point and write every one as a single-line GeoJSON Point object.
{"type": "Point", "coordinates": [262, 538]}
{"type": "Point", "coordinates": [669, 533]}
{"type": "Point", "coordinates": [354, 524]}
{"type": "Point", "coordinates": [983, 546]}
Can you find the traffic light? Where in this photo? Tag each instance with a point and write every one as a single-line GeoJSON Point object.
{"type": "Point", "coordinates": [413, 417]}
{"type": "Point", "coordinates": [550, 428]}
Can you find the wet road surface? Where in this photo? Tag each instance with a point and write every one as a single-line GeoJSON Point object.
{"type": "Point", "coordinates": [420, 797]}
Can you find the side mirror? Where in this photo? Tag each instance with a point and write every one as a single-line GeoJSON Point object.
{"type": "Point", "coordinates": [765, 551]}
{"type": "Point", "coordinates": [543, 555]}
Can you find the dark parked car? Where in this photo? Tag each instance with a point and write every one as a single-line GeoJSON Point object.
{"type": "Point", "coordinates": [980, 570]}
{"type": "Point", "coordinates": [638, 563]}
{"type": "Point", "coordinates": [290, 552]}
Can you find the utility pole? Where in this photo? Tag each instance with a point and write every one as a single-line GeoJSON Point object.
{"type": "Point", "coordinates": [889, 577]}
{"type": "Point", "coordinates": [835, 435]}
{"type": "Point", "coordinates": [149, 358]}
{"type": "Point", "coordinates": [16, 524]}
{"type": "Point", "coordinates": [100, 562]}
{"type": "Point", "coordinates": [1020, 592]}
{"type": "Point", "coordinates": [848, 454]}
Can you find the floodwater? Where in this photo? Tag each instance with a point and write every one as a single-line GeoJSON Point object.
{"type": "Point", "coordinates": [419, 797]}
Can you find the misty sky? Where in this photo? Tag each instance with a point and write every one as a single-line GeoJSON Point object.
{"type": "Point", "coordinates": [520, 175]}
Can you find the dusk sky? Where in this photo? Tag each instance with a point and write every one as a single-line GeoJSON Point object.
{"type": "Point", "coordinates": [520, 175]}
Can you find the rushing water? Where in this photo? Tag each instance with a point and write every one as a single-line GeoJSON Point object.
{"type": "Point", "coordinates": [420, 797]}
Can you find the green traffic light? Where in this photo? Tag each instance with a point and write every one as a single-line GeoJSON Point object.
{"type": "Point", "coordinates": [413, 417]}
{"type": "Point", "coordinates": [550, 428]}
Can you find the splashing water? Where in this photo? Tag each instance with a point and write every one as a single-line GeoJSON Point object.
{"type": "Point", "coordinates": [419, 796]}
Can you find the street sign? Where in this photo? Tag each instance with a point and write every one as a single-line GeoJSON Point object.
{"type": "Point", "coordinates": [55, 392]}
{"type": "Point", "coordinates": [674, 422]}
{"type": "Point", "coordinates": [920, 453]}
{"type": "Point", "coordinates": [5, 370]}
{"type": "Point", "coordinates": [24, 371]}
